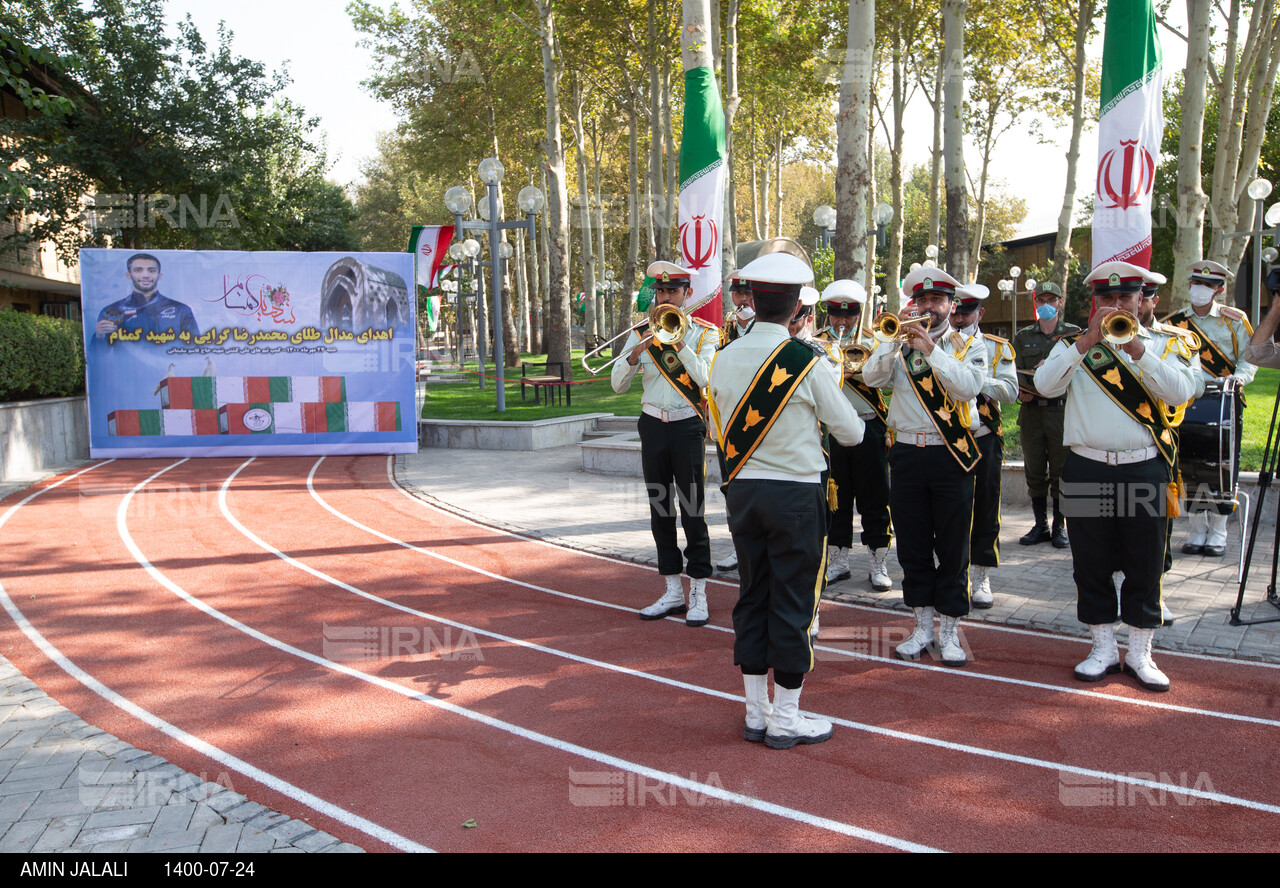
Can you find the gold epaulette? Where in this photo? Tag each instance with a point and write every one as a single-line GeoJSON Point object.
{"type": "Point", "coordinates": [1236, 314]}
{"type": "Point", "coordinates": [1188, 336]}
{"type": "Point", "coordinates": [956, 339]}
{"type": "Point", "coordinates": [995, 339]}
{"type": "Point", "coordinates": [704, 322]}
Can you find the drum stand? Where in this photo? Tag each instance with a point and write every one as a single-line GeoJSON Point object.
{"type": "Point", "coordinates": [1269, 464]}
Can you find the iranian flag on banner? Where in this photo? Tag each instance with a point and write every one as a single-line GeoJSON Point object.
{"type": "Point", "coordinates": [703, 173]}
{"type": "Point", "coordinates": [1129, 134]}
{"type": "Point", "coordinates": [429, 245]}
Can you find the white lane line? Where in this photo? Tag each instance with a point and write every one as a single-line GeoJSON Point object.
{"type": "Point", "coordinates": [956, 674]}
{"type": "Point", "coordinates": [969, 624]}
{"type": "Point", "coordinates": [201, 746]}
{"type": "Point", "coordinates": [709, 790]}
{"type": "Point", "coordinates": [711, 692]}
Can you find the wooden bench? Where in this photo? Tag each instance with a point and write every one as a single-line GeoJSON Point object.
{"type": "Point", "coordinates": [540, 376]}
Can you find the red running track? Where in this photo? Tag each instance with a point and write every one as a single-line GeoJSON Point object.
{"type": "Point", "coordinates": [350, 654]}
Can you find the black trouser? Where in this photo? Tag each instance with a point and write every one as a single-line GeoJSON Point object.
{"type": "Point", "coordinates": [861, 474]}
{"type": "Point", "coordinates": [932, 501]}
{"type": "Point", "coordinates": [777, 528]}
{"type": "Point", "coordinates": [673, 457]}
{"type": "Point", "coordinates": [984, 538]}
{"type": "Point", "coordinates": [1116, 517]}
{"type": "Point", "coordinates": [1043, 452]}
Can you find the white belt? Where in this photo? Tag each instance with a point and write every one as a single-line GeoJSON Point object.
{"type": "Point", "coordinates": [980, 431]}
{"type": "Point", "coordinates": [669, 415]}
{"type": "Point", "coordinates": [1117, 457]}
{"type": "Point", "coordinates": [918, 439]}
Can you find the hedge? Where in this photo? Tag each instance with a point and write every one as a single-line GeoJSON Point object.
{"type": "Point", "coordinates": [40, 356]}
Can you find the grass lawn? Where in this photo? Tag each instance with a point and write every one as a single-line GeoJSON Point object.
{"type": "Point", "coordinates": [464, 400]}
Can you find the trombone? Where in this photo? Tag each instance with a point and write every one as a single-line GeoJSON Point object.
{"type": "Point", "coordinates": [668, 324]}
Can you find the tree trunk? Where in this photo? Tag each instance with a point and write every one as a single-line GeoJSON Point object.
{"type": "Point", "coordinates": [1189, 240]}
{"type": "Point", "coordinates": [935, 159]}
{"type": "Point", "coordinates": [657, 210]}
{"type": "Point", "coordinates": [730, 111]}
{"type": "Point", "coordinates": [953, 12]}
{"type": "Point", "coordinates": [630, 269]}
{"type": "Point", "coordinates": [604, 316]}
{"type": "Point", "coordinates": [853, 125]}
{"type": "Point", "coordinates": [587, 238]}
{"type": "Point", "coordinates": [1062, 249]}
{"type": "Point", "coordinates": [672, 159]}
{"type": "Point", "coordinates": [777, 175]}
{"type": "Point", "coordinates": [558, 340]}
{"type": "Point", "coordinates": [893, 264]}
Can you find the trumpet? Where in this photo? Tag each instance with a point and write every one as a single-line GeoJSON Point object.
{"type": "Point", "coordinates": [888, 327]}
{"type": "Point", "coordinates": [1118, 327]}
{"type": "Point", "coordinates": [668, 324]}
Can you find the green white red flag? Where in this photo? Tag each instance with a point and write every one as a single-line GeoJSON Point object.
{"type": "Point", "coordinates": [1130, 129]}
{"type": "Point", "coordinates": [429, 245]}
{"type": "Point", "coordinates": [703, 175]}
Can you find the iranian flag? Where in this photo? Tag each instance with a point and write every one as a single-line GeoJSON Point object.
{"type": "Point", "coordinates": [429, 245]}
{"type": "Point", "coordinates": [703, 173]}
{"type": "Point", "coordinates": [1129, 133]}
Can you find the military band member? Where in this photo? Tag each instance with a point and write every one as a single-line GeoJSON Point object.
{"type": "Point", "coordinates": [672, 444]}
{"type": "Point", "coordinates": [1000, 386]}
{"type": "Point", "coordinates": [744, 315]}
{"type": "Point", "coordinates": [935, 374]}
{"type": "Point", "coordinates": [768, 395]}
{"type": "Point", "coordinates": [1040, 417]}
{"type": "Point", "coordinates": [1224, 333]}
{"type": "Point", "coordinates": [861, 474]}
{"type": "Point", "coordinates": [1117, 475]}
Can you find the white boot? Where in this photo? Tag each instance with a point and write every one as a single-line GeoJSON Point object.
{"type": "Point", "coordinates": [980, 585]}
{"type": "Point", "coordinates": [1215, 543]}
{"type": "Point", "coordinates": [697, 615]}
{"type": "Point", "coordinates": [758, 707]}
{"type": "Point", "coordinates": [1104, 659]}
{"type": "Point", "coordinates": [671, 602]}
{"type": "Point", "coordinates": [730, 563]}
{"type": "Point", "coordinates": [787, 727]}
{"type": "Point", "coordinates": [1199, 523]}
{"type": "Point", "coordinates": [1138, 663]}
{"type": "Point", "coordinates": [949, 641]}
{"type": "Point", "coordinates": [879, 575]}
{"type": "Point", "coordinates": [837, 564]}
{"type": "Point", "coordinates": [921, 639]}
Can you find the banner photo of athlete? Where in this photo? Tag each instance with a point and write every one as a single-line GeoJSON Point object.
{"type": "Point", "coordinates": [211, 353]}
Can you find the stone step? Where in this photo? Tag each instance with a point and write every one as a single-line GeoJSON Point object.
{"type": "Point", "coordinates": [616, 425]}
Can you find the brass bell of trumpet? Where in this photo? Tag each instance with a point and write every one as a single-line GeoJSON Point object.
{"type": "Point", "coordinates": [854, 358]}
{"type": "Point", "coordinates": [888, 327]}
{"type": "Point", "coordinates": [668, 323]}
{"type": "Point", "coordinates": [1118, 327]}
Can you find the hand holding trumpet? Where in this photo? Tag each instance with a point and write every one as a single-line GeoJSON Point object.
{"type": "Point", "coordinates": [1121, 322]}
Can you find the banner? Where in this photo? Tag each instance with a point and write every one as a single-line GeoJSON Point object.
{"type": "Point", "coordinates": [1130, 128]}
{"type": "Point", "coordinates": [429, 245]}
{"type": "Point", "coordinates": [248, 354]}
{"type": "Point", "coordinates": [703, 174]}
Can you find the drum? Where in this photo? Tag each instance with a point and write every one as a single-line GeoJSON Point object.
{"type": "Point", "coordinates": [1209, 446]}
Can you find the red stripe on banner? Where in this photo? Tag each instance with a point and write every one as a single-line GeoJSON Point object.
{"type": "Point", "coordinates": [232, 416]}
{"type": "Point", "coordinates": [206, 422]}
{"type": "Point", "coordinates": [175, 393]}
{"type": "Point", "coordinates": [384, 416]}
{"type": "Point", "coordinates": [444, 237]}
{"type": "Point", "coordinates": [126, 421]}
{"type": "Point", "coordinates": [257, 389]}
{"type": "Point", "coordinates": [713, 311]}
{"type": "Point", "coordinates": [314, 417]}
{"type": "Point", "coordinates": [331, 389]}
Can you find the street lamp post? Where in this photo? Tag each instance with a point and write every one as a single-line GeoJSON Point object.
{"type": "Point", "coordinates": [531, 200]}
{"type": "Point", "coordinates": [882, 215]}
{"type": "Point", "coordinates": [1259, 190]}
{"type": "Point", "coordinates": [1015, 272]}
{"type": "Point", "coordinates": [825, 218]}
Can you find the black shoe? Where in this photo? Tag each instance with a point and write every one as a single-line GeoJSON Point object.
{"type": "Point", "coordinates": [1038, 534]}
{"type": "Point", "coordinates": [1214, 551]}
{"type": "Point", "coordinates": [1060, 540]}
{"type": "Point", "coordinates": [1192, 549]}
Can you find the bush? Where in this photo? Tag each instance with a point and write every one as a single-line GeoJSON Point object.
{"type": "Point", "coordinates": [40, 356]}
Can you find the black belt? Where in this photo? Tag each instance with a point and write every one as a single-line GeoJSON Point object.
{"type": "Point", "coordinates": [1046, 402]}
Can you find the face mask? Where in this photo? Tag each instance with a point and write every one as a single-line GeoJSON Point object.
{"type": "Point", "coordinates": [1046, 312]}
{"type": "Point", "coordinates": [746, 313]}
{"type": "Point", "coordinates": [1201, 294]}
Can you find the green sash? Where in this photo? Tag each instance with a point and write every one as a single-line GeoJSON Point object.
{"type": "Point", "coordinates": [943, 412]}
{"type": "Point", "coordinates": [667, 360]}
{"type": "Point", "coordinates": [762, 404]}
{"type": "Point", "coordinates": [1212, 359]}
{"type": "Point", "coordinates": [1122, 385]}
